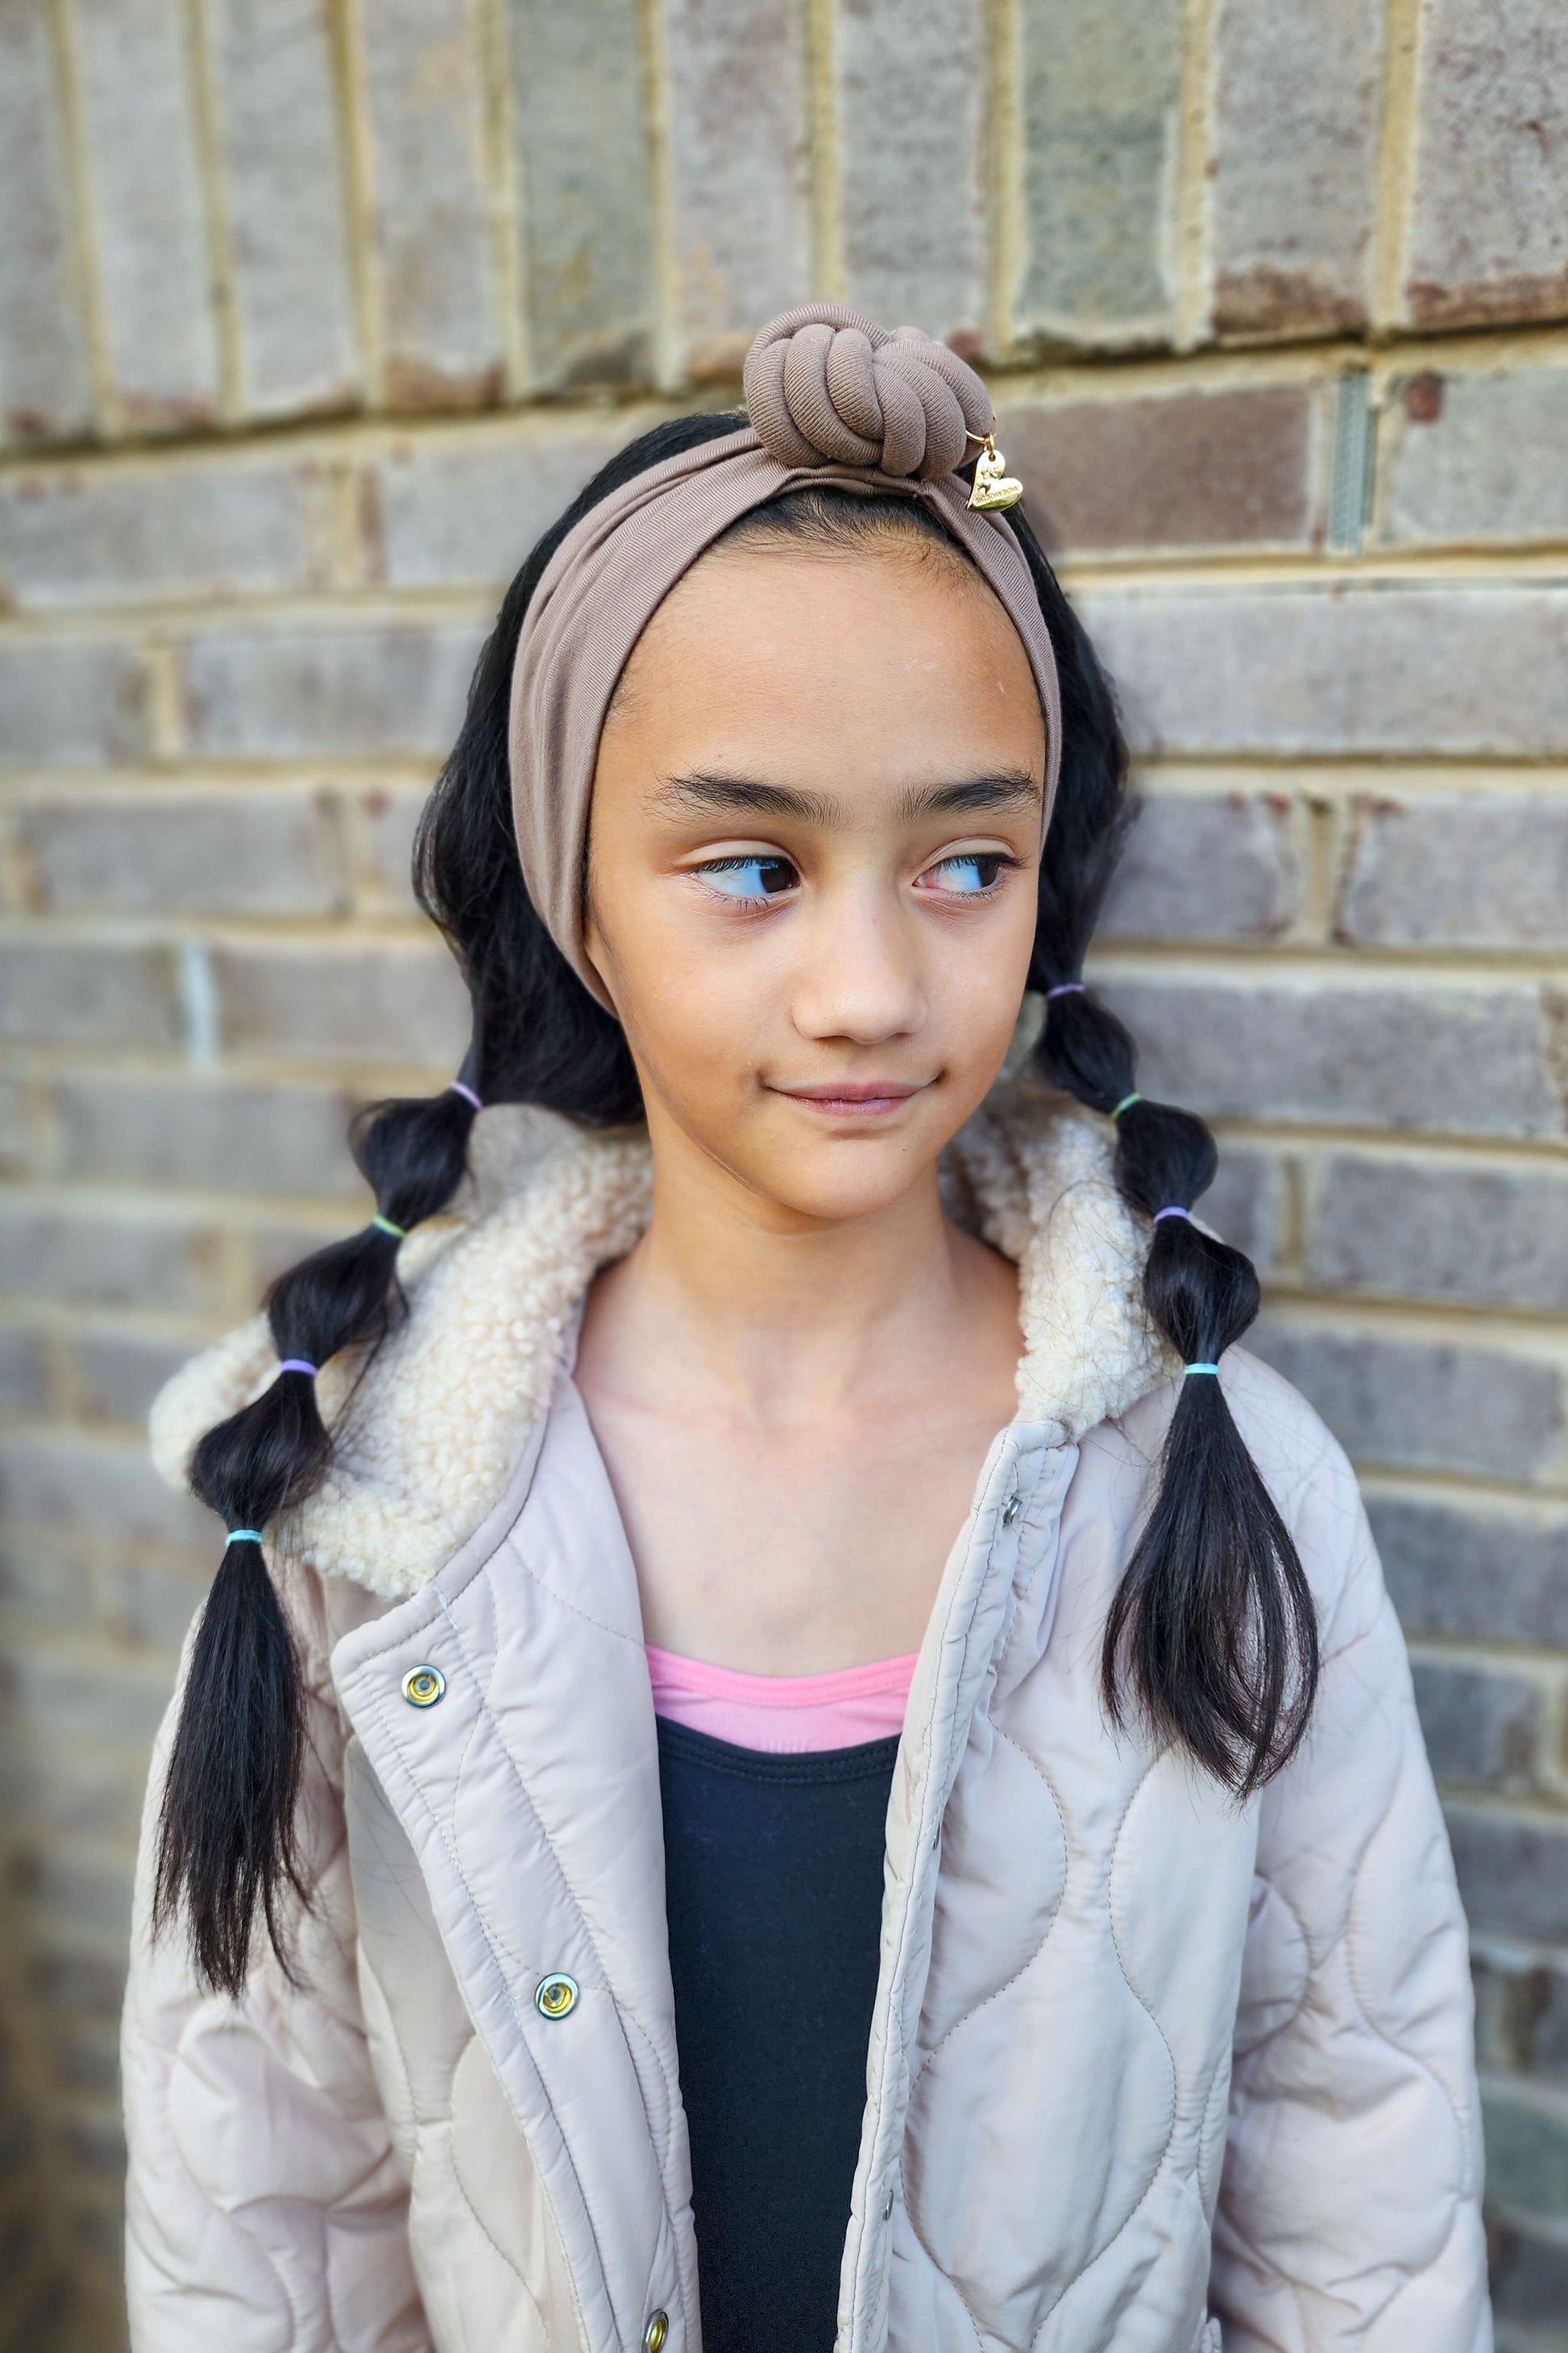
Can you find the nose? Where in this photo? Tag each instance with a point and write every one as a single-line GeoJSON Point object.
{"type": "Point", "coordinates": [859, 976]}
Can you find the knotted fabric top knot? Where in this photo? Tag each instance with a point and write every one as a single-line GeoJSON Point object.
{"type": "Point", "coordinates": [834, 401]}
{"type": "Point", "coordinates": [825, 385]}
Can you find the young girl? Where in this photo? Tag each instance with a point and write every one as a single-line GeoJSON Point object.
{"type": "Point", "coordinates": [791, 1746]}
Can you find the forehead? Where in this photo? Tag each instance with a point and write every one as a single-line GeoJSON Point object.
{"type": "Point", "coordinates": [899, 661]}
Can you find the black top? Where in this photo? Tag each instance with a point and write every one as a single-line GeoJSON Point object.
{"type": "Point", "coordinates": [774, 1879]}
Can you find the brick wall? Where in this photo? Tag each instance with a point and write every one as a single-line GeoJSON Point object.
{"type": "Point", "coordinates": [311, 315]}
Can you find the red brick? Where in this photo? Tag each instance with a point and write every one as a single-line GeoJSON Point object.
{"type": "Point", "coordinates": [1188, 470]}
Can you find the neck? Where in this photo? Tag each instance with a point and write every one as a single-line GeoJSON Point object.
{"type": "Point", "coordinates": [782, 1317]}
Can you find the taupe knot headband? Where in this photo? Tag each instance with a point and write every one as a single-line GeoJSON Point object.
{"type": "Point", "coordinates": [831, 397]}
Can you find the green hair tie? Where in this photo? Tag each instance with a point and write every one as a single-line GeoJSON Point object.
{"type": "Point", "coordinates": [1125, 1105]}
{"type": "Point", "coordinates": [387, 1227]}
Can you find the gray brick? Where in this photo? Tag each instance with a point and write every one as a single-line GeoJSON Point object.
{"type": "Point", "coordinates": [1219, 866]}
{"type": "Point", "coordinates": [1478, 457]}
{"type": "Point", "coordinates": [97, 2144]}
{"type": "Point", "coordinates": [1487, 1236]}
{"type": "Point", "coordinates": [24, 1372]}
{"type": "Point", "coordinates": [1227, 469]}
{"type": "Point", "coordinates": [1475, 1568]}
{"type": "Point", "coordinates": [61, 1790]}
{"type": "Point", "coordinates": [1427, 669]}
{"type": "Point", "coordinates": [100, 1487]}
{"type": "Point", "coordinates": [181, 852]}
{"type": "Point", "coordinates": [152, 1603]}
{"type": "Point", "coordinates": [17, 1143]}
{"type": "Point", "coordinates": [1513, 1873]}
{"type": "Point", "coordinates": [148, 222]}
{"type": "Point", "coordinates": [284, 188]}
{"type": "Point", "coordinates": [1422, 1405]}
{"type": "Point", "coordinates": [118, 1373]}
{"type": "Point", "coordinates": [584, 164]}
{"type": "Point", "coordinates": [1295, 144]}
{"type": "Point", "coordinates": [78, 993]}
{"type": "Point", "coordinates": [106, 1257]}
{"type": "Point", "coordinates": [1526, 2151]}
{"type": "Point", "coordinates": [377, 1003]}
{"type": "Point", "coordinates": [431, 218]}
{"type": "Point", "coordinates": [44, 389]}
{"type": "Point", "coordinates": [1457, 871]}
{"type": "Point", "coordinates": [71, 1699]}
{"type": "Point", "coordinates": [1246, 1203]}
{"type": "Point", "coordinates": [1482, 1725]}
{"type": "Point", "coordinates": [342, 689]}
{"type": "Point", "coordinates": [1488, 236]}
{"type": "Point", "coordinates": [1521, 2011]}
{"type": "Point", "coordinates": [384, 822]}
{"type": "Point", "coordinates": [738, 161]}
{"type": "Point", "coordinates": [1372, 1053]}
{"type": "Point", "coordinates": [72, 703]}
{"type": "Point", "coordinates": [442, 514]}
{"type": "Point", "coordinates": [912, 164]}
{"type": "Point", "coordinates": [1530, 2281]}
{"type": "Point", "coordinates": [133, 534]}
{"type": "Point", "coordinates": [44, 1575]}
{"type": "Point", "coordinates": [82, 1982]}
{"type": "Point", "coordinates": [277, 1248]}
{"type": "Point", "coordinates": [1100, 95]}
{"type": "Point", "coordinates": [215, 1131]}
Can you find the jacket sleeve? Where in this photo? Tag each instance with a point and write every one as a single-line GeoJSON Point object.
{"type": "Point", "coordinates": [265, 2209]}
{"type": "Point", "coordinates": [1350, 2203]}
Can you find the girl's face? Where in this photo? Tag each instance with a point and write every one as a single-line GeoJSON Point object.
{"type": "Point", "coordinates": [812, 863]}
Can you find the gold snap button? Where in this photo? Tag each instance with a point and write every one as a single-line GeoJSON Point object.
{"type": "Point", "coordinates": [423, 1686]}
{"type": "Point", "coordinates": [556, 1997]}
{"type": "Point", "coordinates": [655, 2332]}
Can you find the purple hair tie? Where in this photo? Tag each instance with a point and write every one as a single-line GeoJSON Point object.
{"type": "Point", "coordinates": [456, 1087]}
{"type": "Point", "coordinates": [1175, 1210]}
{"type": "Point", "coordinates": [299, 1365]}
{"type": "Point", "coordinates": [1066, 988]}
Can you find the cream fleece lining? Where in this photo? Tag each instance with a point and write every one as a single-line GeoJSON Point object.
{"type": "Point", "coordinates": [425, 1441]}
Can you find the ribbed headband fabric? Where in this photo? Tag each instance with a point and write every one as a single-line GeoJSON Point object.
{"type": "Point", "coordinates": [832, 399]}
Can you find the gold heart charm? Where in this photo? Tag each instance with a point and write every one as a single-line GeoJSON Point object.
{"type": "Point", "coordinates": [994, 487]}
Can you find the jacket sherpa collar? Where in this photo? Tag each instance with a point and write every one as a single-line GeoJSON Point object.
{"type": "Point", "coordinates": [428, 1434]}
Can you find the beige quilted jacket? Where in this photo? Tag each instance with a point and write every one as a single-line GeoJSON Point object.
{"type": "Point", "coordinates": [1149, 2071]}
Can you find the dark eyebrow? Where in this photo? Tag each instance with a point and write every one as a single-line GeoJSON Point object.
{"type": "Point", "coordinates": [703, 794]}
{"type": "Point", "coordinates": [1010, 788]}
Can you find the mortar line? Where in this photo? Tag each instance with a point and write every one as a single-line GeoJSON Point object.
{"type": "Point", "coordinates": [507, 197]}
{"type": "Point", "coordinates": [669, 336]}
{"type": "Point", "coordinates": [1194, 183]}
{"type": "Point", "coordinates": [1002, 30]}
{"type": "Point", "coordinates": [84, 244]}
{"type": "Point", "coordinates": [218, 225]}
{"type": "Point", "coordinates": [1394, 181]}
{"type": "Point", "coordinates": [357, 145]}
{"type": "Point", "coordinates": [830, 277]}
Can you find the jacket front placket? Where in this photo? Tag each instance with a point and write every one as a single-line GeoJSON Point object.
{"type": "Point", "coordinates": [529, 1793]}
{"type": "Point", "coordinates": [1010, 1546]}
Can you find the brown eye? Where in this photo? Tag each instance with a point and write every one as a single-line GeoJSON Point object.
{"type": "Point", "coordinates": [967, 876]}
{"type": "Point", "coordinates": [751, 879]}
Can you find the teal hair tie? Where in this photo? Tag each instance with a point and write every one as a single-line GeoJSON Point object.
{"type": "Point", "coordinates": [1125, 1105]}
{"type": "Point", "coordinates": [242, 1535]}
{"type": "Point", "coordinates": [387, 1227]}
{"type": "Point", "coordinates": [1200, 1368]}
